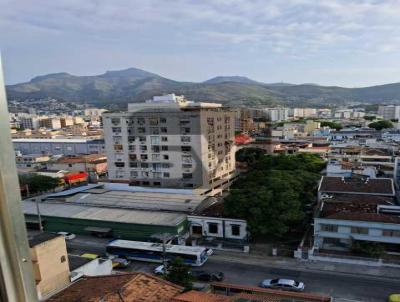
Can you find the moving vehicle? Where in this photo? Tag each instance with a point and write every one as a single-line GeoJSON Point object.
{"type": "Point", "coordinates": [285, 284]}
{"type": "Point", "coordinates": [208, 276]}
{"type": "Point", "coordinates": [153, 252]}
{"type": "Point", "coordinates": [67, 236]}
{"type": "Point", "coordinates": [120, 263]}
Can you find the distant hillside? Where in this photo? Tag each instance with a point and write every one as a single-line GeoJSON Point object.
{"type": "Point", "coordinates": [235, 79]}
{"type": "Point", "coordinates": [136, 85]}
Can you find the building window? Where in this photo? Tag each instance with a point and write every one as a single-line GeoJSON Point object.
{"type": "Point", "coordinates": [329, 228]}
{"type": "Point", "coordinates": [120, 165]}
{"type": "Point", "coordinates": [185, 139]}
{"type": "Point", "coordinates": [142, 139]}
{"type": "Point", "coordinates": [213, 228]}
{"type": "Point", "coordinates": [141, 121]}
{"type": "Point", "coordinates": [166, 175]}
{"type": "Point", "coordinates": [164, 138]}
{"type": "Point", "coordinates": [164, 148]}
{"type": "Point", "coordinates": [166, 157]}
{"type": "Point", "coordinates": [144, 165]}
{"type": "Point", "coordinates": [154, 140]}
{"type": "Point", "coordinates": [134, 174]}
{"type": "Point", "coordinates": [187, 175]}
{"type": "Point", "coordinates": [143, 156]}
{"type": "Point", "coordinates": [163, 120]}
{"type": "Point", "coordinates": [133, 164]}
{"type": "Point", "coordinates": [155, 157]}
{"type": "Point", "coordinates": [118, 147]}
{"type": "Point", "coordinates": [63, 259]}
{"type": "Point", "coordinates": [186, 148]}
{"type": "Point", "coordinates": [235, 229]}
{"type": "Point", "coordinates": [157, 184]}
{"type": "Point", "coordinates": [153, 121]}
{"type": "Point", "coordinates": [391, 233]}
{"type": "Point", "coordinates": [154, 130]}
{"type": "Point", "coordinates": [163, 130]}
{"type": "Point", "coordinates": [155, 149]}
{"type": "Point", "coordinates": [143, 148]}
{"type": "Point", "coordinates": [165, 165]}
{"type": "Point", "coordinates": [359, 230]}
{"type": "Point", "coordinates": [141, 130]}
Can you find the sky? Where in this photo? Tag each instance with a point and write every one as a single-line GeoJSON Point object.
{"type": "Point", "coordinates": [350, 43]}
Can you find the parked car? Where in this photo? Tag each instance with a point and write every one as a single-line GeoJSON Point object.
{"type": "Point", "coordinates": [67, 236]}
{"type": "Point", "coordinates": [120, 263]}
{"type": "Point", "coordinates": [394, 298]}
{"type": "Point", "coordinates": [209, 251]}
{"type": "Point", "coordinates": [208, 276]}
{"type": "Point", "coordinates": [285, 284]}
{"type": "Point", "coordinates": [160, 270]}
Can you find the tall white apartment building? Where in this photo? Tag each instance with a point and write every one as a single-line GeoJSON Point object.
{"type": "Point", "coordinates": [389, 112]}
{"type": "Point", "coordinates": [29, 122]}
{"type": "Point", "coordinates": [277, 114]}
{"type": "Point", "coordinates": [171, 142]}
{"type": "Point", "coordinates": [304, 112]}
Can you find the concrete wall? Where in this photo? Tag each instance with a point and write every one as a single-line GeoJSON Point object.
{"type": "Point", "coordinates": [224, 226]}
{"type": "Point", "coordinates": [50, 265]}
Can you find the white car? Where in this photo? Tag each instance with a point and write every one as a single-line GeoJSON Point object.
{"type": "Point", "coordinates": [67, 236]}
{"type": "Point", "coordinates": [160, 270]}
{"type": "Point", "coordinates": [285, 284]}
{"type": "Point", "coordinates": [209, 252]}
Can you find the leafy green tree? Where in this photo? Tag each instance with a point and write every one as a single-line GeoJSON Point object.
{"type": "Point", "coordinates": [179, 273]}
{"type": "Point", "coordinates": [249, 155]}
{"type": "Point", "coordinates": [370, 249]}
{"type": "Point", "coordinates": [369, 117]}
{"type": "Point", "coordinates": [273, 195]}
{"type": "Point", "coordinates": [332, 125]}
{"type": "Point", "coordinates": [38, 183]}
{"type": "Point", "coordinates": [379, 125]}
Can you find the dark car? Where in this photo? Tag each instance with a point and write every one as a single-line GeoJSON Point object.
{"type": "Point", "coordinates": [208, 276]}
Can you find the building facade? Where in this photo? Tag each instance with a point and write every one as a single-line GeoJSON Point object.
{"type": "Point", "coordinates": [389, 112]}
{"type": "Point", "coordinates": [170, 142]}
{"type": "Point", "coordinates": [50, 263]}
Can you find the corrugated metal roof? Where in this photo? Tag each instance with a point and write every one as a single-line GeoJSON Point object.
{"type": "Point", "coordinates": [137, 200]}
{"type": "Point", "coordinates": [104, 214]}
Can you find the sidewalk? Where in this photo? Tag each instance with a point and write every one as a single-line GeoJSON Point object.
{"type": "Point", "coordinates": [294, 264]}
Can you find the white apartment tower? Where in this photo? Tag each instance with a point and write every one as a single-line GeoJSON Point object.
{"type": "Point", "coordinates": [389, 112]}
{"type": "Point", "coordinates": [171, 142]}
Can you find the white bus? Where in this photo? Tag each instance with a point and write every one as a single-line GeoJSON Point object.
{"type": "Point", "coordinates": [153, 252]}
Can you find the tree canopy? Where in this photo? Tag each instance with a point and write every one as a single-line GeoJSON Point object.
{"type": "Point", "coordinates": [38, 183]}
{"type": "Point", "coordinates": [179, 273]}
{"type": "Point", "coordinates": [272, 196]}
{"type": "Point", "coordinates": [249, 155]}
{"type": "Point", "coordinates": [379, 125]}
{"type": "Point", "coordinates": [332, 125]}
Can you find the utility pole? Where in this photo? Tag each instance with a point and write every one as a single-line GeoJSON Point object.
{"type": "Point", "coordinates": [38, 214]}
{"type": "Point", "coordinates": [164, 237]}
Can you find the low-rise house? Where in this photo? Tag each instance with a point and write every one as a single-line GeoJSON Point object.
{"type": "Point", "coordinates": [34, 161]}
{"type": "Point", "coordinates": [343, 220]}
{"type": "Point", "coordinates": [120, 287]}
{"type": "Point", "coordinates": [81, 266]}
{"type": "Point", "coordinates": [358, 185]}
{"type": "Point", "coordinates": [347, 169]}
{"type": "Point", "coordinates": [94, 164]}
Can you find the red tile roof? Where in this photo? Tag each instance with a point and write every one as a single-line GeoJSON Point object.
{"type": "Point", "coordinates": [138, 287]}
{"type": "Point", "coordinates": [379, 186]}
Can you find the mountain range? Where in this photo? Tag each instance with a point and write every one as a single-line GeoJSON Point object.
{"type": "Point", "coordinates": [136, 85]}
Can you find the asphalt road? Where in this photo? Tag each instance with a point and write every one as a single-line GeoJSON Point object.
{"type": "Point", "coordinates": [343, 287]}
